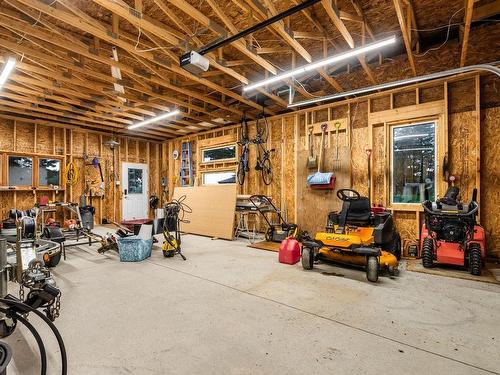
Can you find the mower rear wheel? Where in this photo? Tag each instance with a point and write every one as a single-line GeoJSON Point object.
{"type": "Point", "coordinates": [53, 261]}
{"type": "Point", "coordinates": [372, 269]}
{"type": "Point", "coordinates": [475, 259]}
{"type": "Point", "coordinates": [307, 258]}
{"type": "Point", "coordinates": [396, 247]}
{"type": "Point", "coordinates": [427, 253]}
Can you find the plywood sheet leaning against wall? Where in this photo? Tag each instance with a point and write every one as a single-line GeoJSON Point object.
{"type": "Point", "coordinates": [213, 209]}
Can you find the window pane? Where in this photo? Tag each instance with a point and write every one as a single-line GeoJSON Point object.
{"type": "Point", "coordinates": [219, 153]}
{"type": "Point", "coordinates": [413, 162]}
{"type": "Point", "coordinates": [135, 181]}
{"type": "Point", "coordinates": [216, 178]}
{"type": "Point", "coordinates": [20, 171]}
{"type": "Point", "coordinates": [49, 172]}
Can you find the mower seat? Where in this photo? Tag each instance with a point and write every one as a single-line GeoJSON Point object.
{"type": "Point", "coordinates": [360, 214]}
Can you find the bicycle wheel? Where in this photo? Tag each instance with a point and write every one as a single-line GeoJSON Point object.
{"type": "Point", "coordinates": [244, 129]}
{"type": "Point", "coordinates": [241, 172]}
{"type": "Point", "coordinates": [262, 128]}
{"type": "Point", "coordinates": [267, 171]}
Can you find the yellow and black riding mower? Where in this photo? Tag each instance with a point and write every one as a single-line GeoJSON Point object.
{"type": "Point", "coordinates": [356, 236]}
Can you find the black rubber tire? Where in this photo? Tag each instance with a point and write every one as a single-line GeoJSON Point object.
{"type": "Point", "coordinates": [267, 172]}
{"type": "Point", "coordinates": [241, 172]}
{"type": "Point", "coordinates": [372, 269]}
{"type": "Point", "coordinates": [475, 261]}
{"type": "Point", "coordinates": [396, 247]}
{"type": "Point", "coordinates": [307, 258]}
{"type": "Point", "coordinates": [54, 261]}
{"type": "Point", "coordinates": [427, 253]}
{"type": "Point", "coordinates": [168, 253]}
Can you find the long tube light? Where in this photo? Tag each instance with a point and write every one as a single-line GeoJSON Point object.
{"type": "Point", "coordinates": [328, 61]}
{"type": "Point", "coordinates": [7, 69]}
{"type": "Point", "coordinates": [154, 119]}
{"type": "Point", "coordinates": [489, 67]}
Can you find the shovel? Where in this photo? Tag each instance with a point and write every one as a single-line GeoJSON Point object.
{"type": "Point", "coordinates": [336, 161]}
{"type": "Point", "coordinates": [312, 160]}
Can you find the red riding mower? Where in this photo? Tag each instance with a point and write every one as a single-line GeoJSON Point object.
{"type": "Point", "coordinates": [450, 234]}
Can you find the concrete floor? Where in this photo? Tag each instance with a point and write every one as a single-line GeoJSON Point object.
{"type": "Point", "coordinates": [230, 309]}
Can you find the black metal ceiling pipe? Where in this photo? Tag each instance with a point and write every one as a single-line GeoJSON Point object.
{"type": "Point", "coordinates": [254, 28]}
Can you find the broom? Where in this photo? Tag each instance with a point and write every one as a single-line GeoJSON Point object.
{"type": "Point", "coordinates": [321, 180]}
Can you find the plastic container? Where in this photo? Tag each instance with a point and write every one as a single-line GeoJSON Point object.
{"type": "Point", "coordinates": [134, 249]}
{"type": "Point", "coordinates": [289, 252]}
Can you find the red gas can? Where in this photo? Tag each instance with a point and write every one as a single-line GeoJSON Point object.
{"type": "Point", "coordinates": [289, 252]}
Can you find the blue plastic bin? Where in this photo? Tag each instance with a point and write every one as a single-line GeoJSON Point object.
{"type": "Point", "coordinates": [134, 249]}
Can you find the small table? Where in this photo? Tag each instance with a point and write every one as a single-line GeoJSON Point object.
{"type": "Point", "coordinates": [242, 229]}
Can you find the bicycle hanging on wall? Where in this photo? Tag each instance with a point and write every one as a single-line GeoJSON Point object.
{"type": "Point", "coordinates": [263, 162]}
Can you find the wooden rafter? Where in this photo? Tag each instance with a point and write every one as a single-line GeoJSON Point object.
{"type": "Point", "coordinates": [469, 8]}
{"type": "Point", "coordinates": [406, 33]}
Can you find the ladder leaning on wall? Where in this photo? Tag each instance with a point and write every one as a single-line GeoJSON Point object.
{"type": "Point", "coordinates": [186, 164]}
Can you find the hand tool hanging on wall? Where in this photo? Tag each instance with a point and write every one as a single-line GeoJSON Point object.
{"type": "Point", "coordinates": [321, 180]}
{"type": "Point", "coordinates": [336, 160]}
{"type": "Point", "coordinates": [312, 160]}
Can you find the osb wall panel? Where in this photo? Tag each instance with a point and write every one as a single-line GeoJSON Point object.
{"type": "Point", "coordinates": [462, 151]}
{"type": "Point", "coordinates": [359, 144]}
{"type": "Point", "coordinates": [314, 205]}
{"type": "Point", "coordinates": [490, 178]}
{"type": "Point", "coordinates": [7, 138]}
{"type": "Point", "coordinates": [107, 207]}
{"type": "Point", "coordinates": [276, 160]}
{"type": "Point", "coordinates": [381, 103]}
{"type": "Point", "coordinates": [44, 143]}
{"type": "Point", "coordinates": [289, 146]}
{"type": "Point", "coordinates": [404, 99]}
{"type": "Point", "coordinates": [430, 94]}
{"type": "Point", "coordinates": [461, 96]}
{"type": "Point", "coordinates": [25, 137]}
{"type": "Point", "coordinates": [93, 145]}
{"type": "Point", "coordinates": [406, 222]}
{"type": "Point", "coordinates": [59, 140]}
{"type": "Point", "coordinates": [78, 143]}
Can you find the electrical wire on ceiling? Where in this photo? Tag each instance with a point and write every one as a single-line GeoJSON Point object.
{"type": "Point", "coordinates": [445, 41]}
{"type": "Point", "coordinates": [38, 20]}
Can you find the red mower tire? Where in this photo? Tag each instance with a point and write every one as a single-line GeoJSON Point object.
{"type": "Point", "coordinates": [427, 253]}
{"type": "Point", "coordinates": [307, 258]}
{"type": "Point", "coordinates": [475, 259]}
{"type": "Point", "coordinates": [372, 269]}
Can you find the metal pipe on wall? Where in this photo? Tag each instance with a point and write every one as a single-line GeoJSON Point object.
{"type": "Point", "coordinates": [490, 67]}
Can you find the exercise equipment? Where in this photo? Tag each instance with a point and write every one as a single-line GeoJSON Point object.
{"type": "Point", "coordinates": [356, 236]}
{"type": "Point", "coordinates": [174, 216]}
{"type": "Point", "coordinates": [450, 233]}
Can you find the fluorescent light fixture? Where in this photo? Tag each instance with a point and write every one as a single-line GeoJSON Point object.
{"type": "Point", "coordinates": [7, 69]}
{"type": "Point", "coordinates": [330, 60]}
{"type": "Point", "coordinates": [154, 119]}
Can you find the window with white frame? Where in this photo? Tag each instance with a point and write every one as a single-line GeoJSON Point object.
{"type": "Point", "coordinates": [219, 177]}
{"type": "Point", "coordinates": [219, 153]}
{"type": "Point", "coordinates": [413, 161]}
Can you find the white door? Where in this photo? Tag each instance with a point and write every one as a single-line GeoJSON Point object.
{"type": "Point", "coordinates": [135, 191]}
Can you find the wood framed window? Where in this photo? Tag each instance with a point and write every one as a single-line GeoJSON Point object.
{"type": "Point", "coordinates": [20, 170]}
{"type": "Point", "coordinates": [413, 162]}
{"type": "Point", "coordinates": [49, 172]}
{"type": "Point", "coordinates": [219, 177]}
{"type": "Point", "coordinates": [217, 154]}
